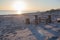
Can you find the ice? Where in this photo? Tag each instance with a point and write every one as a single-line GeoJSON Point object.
{"type": "Point", "coordinates": [13, 27]}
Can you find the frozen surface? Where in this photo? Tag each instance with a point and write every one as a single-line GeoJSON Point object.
{"type": "Point", "coordinates": [14, 28]}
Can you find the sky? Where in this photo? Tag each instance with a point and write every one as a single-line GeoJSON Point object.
{"type": "Point", "coordinates": [32, 5]}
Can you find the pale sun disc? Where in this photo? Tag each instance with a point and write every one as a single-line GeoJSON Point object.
{"type": "Point", "coordinates": [19, 6]}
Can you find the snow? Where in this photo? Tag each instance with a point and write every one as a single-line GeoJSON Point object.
{"type": "Point", "coordinates": [14, 28]}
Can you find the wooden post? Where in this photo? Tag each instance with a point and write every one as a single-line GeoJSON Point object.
{"type": "Point", "coordinates": [49, 19]}
{"type": "Point", "coordinates": [36, 19]}
{"type": "Point", "coordinates": [27, 21]}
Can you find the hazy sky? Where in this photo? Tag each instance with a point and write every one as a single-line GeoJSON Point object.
{"type": "Point", "coordinates": [32, 4]}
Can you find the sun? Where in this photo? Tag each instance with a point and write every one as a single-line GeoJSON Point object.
{"type": "Point", "coordinates": [19, 6]}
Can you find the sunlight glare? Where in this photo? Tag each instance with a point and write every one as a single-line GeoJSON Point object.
{"type": "Point", "coordinates": [19, 6]}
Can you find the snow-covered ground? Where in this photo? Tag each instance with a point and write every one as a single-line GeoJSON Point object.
{"type": "Point", "coordinates": [14, 28]}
